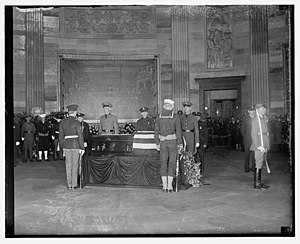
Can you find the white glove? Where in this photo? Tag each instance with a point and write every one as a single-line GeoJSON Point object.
{"type": "Point", "coordinates": [158, 147]}
{"type": "Point", "coordinates": [85, 144]}
{"type": "Point", "coordinates": [17, 143]}
{"type": "Point", "coordinates": [262, 149]}
{"type": "Point", "coordinates": [179, 147]}
{"type": "Point", "coordinates": [22, 138]}
{"type": "Point", "coordinates": [204, 146]}
{"type": "Point", "coordinates": [52, 137]}
{"type": "Point", "coordinates": [197, 144]}
{"type": "Point", "coordinates": [64, 153]}
{"type": "Point", "coordinates": [81, 152]}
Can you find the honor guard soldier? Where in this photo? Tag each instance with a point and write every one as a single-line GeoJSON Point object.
{"type": "Point", "coordinates": [260, 143]}
{"type": "Point", "coordinates": [108, 121]}
{"type": "Point", "coordinates": [55, 132]}
{"type": "Point", "coordinates": [145, 123]}
{"type": "Point", "coordinates": [27, 133]}
{"type": "Point", "coordinates": [42, 130]}
{"type": "Point", "coordinates": [203, 138]}
{"type": "Point", "coordinates": [71, 138]}
{"type": "Point", "coordinates": [84, 128]}
{"type": "Point", "coordinates": [189, 127]}
{"type": "Point", "coordinates": [249, 163]}
{"type": "Point", "coordinates": [17, 138]}
{"type": "Point", "coordinates": [167, 135]}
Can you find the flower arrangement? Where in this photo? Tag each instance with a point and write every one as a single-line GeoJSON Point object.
{"type": "Point", "coordinates": [129, 128]}
{"type": "Point", "coordinates": [94, 130]}
{"type": "Point", "coordinates": [192, 169]}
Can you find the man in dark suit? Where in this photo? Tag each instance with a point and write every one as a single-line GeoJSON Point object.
{"type": "Point", "coordinates": [43, 130]}
{"type": "Point", "coordinates": [17, 139]}
{"type": "Point", "coordinates": [145, 123]}
{"type": "Point", "coordinates": [71, 138]}
{"type": "Point", "coordinates": [84, 128]}
{"type": "Point", "coordinates": [249, 163]}
{"type": "Point", "coordinates": [55, 133]}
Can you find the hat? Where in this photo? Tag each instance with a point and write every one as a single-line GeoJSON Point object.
{"type": "Point", "coordinates": [251, 109]}
{"type": "Point", "coordinates": [168, 101]}
{"type": "Point", "coordinates": [80, 115]}
{"type": "Point", "coordinates": [72, 107]}
{"type": "Point", "coordinates": [27, 115]}
{"type": "Point", "coordinates": [106, 105]}
{"type": "Point", "coordinates": [196, 114]}
{"type": "Point", "coordinates": [42, 115]}
{"type": "Point", "coordinates": [187, 104]}
{"type": "Point", "coordinates": [144, 109]}
{"type": "Point", "coordinates": [259, 105]}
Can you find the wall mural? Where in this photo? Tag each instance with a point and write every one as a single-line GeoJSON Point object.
{"type": "Point", "coordinates": [219, 42]}
{"type": "Point", "coordinates": [137, 22]}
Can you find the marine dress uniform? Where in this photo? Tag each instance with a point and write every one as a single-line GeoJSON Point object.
{"type": "Point", "coordinates": [71, 138]}
{"type": "Point", "coordinates": [168, 137]}
{"type": "Point", "coordinates": [190, 130]}
{"type": "Point", "coordinates": [108, 122]}
{"type": "Point", "coordinates": [260, 143]}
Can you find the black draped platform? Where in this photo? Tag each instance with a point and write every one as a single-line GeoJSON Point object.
{"type": "Point", "coordinates": [110, 160]}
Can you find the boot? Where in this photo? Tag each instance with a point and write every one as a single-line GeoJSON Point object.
{"type": "Point", "coordinates": [164, 181]}
{"type": "Point", "coordinates": [170, 187]}
{"type": "Point", "coordinates": [256, 185]}
{"type": "Point", "coordinates": [263, 186]}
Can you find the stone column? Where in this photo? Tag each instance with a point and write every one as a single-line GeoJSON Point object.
{"type": "Point", "coordinates": [34, 60]}
{"type": "Point", "coordinates": [259, 59]}
{"type": "Point", "coordinates": [180, 60]}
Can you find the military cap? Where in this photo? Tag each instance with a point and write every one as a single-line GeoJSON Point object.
{"type": "Point", "coordinates": [251, 109]}
{"type": "Point", "coordinates": [80, 115]}
{"type": "Point", "coordinates": [106, 104]}
{"type": "Point", "coordinates": [27, 115]}
{"type": "Point", "coordinates": [72, 107]}
{"type": "Point", "coordinates": [187, 104]}
{"type": "Point", "coordinates": [196, 114]}
{"type": "Point", "coordinates": [144, 109]}
{"type": "Point", "coordinates": [42, 115]}
{"type": "Point", "coordinates": [259, 105]}
{"type": "Point", "coordinates": [169, 101]}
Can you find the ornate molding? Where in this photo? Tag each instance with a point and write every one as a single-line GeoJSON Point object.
{"type": "Point", "coordinates": [120, 22]}
{"type": "Point", "coordinates": [106, 57]}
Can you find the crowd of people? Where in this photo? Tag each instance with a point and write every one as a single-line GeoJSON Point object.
{"type": "Point", "coordinates": [62, 133]}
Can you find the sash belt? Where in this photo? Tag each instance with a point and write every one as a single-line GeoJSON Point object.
{"type": "Point", "coordinates": [188, 130]}
{"type": "Point", "coordinates": [73, 136]}
{"type": "Point", "coordinates": [168, 137]}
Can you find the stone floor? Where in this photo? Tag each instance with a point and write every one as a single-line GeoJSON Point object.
{"type": "Point", "coordinates": [228, 206]}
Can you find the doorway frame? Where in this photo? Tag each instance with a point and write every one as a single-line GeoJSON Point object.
{"type": "Point", "coordinates": [219, 83]}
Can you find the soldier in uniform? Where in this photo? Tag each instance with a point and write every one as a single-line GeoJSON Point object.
{"type": "Point", "coordinates": [168, 139]}
{"type": "Point", "coordinates": [249, 163]}
{"type": "Point", "coordinates": [108, 121]}
{"type": "Point", "coordinates": [203, 139]}
{"type": "Point", "coordinates": [189, 127]}
{"type": "Point", "coordinates": [71, 138]}
{"type": "Point", "coordinates": [260, 143]}
{"type": "Point", "coordinates": [84, 128]}
{"type": "Point", "coordinates": [55, 133]}
{"type": "Point", "coordinates": [43, 130]}
{"type": "Point", "coordinates": [27, 133]}
{"type": "Point", "coordinates": [17, 138]}
{"type": "Point", "coordinates": [145, 123]}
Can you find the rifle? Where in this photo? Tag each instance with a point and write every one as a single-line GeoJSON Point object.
{"type": "Point", "coordinates": [177, 171]}
{"type": "Point", "coordinates": [80, 171]}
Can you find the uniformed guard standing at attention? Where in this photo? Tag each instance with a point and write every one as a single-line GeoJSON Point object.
{"type": "Point", "coordinates": [260, 143]}
{"type": "Point", "coordinates": [27, 133]}
{"type": "Point", "coordinates": [145, 123]}
{"type": "Point", "coordinates": [85, 129]}
{"type": "Point", "coordinates": [168, 138]}
{"type": "Point", "coordinates": [203, 138]}
{"type": "Point", "coordinates": [108, 121]}
{"type": "Point", "coordinates": [42, 130]}
{"type": "Point", "coordinates": [189, 127]}
{"type": "Point", "coordinates": [17, 139]}
{"type": "Point", "coordinates": [55, 132]}
{"type": "Point", "coordinates": [71, 138]}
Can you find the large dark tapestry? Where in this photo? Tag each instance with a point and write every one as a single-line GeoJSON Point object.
{"type": "Point", "coordinates": [137, 22]}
